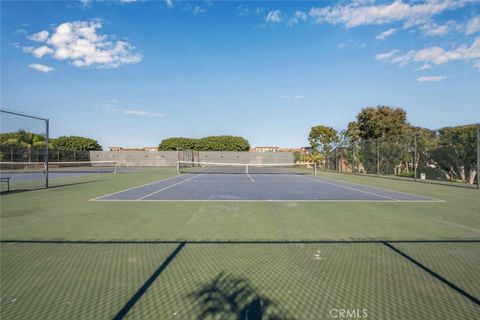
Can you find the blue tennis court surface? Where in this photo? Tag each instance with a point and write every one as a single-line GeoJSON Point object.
{"type": "Point", "coordinates": [257, 187]}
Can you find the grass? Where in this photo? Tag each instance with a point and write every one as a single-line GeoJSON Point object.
{"type": "Point", "coordinates": [64, 213]}
{"type": "Point", "coordinates": [301, 280]}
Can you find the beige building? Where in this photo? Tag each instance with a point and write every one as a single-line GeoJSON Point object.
{"type": "Point", "coordinates": [133, 149]}
{"type": "Point", "coordinates": [266, 149]}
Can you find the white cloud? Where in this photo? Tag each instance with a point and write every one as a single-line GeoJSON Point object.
{"type": "Point", "coordinates": [435, 56]}
{"type": "Point", "coordinates": [28, 49]}
{"type": "Point", "coordinates": [169, 3]}
{"type": "Point", "coordinates": [385, 34]}
{"type": "Point", "coordinates": [79, 42]}
{"type": "Point", "coordinates": [297, 17]}
{"type": "Point", "coordinates": [41, 67]}
{"type": "Point", "coordinates": [433, 29]}
{"type": "Point", "coordinates": [197, 10]}
{"type": "Point", "coordinates": [431, 78]}
{"type": "Point", "coordinates": [473, 25]}
{"type": "Point", "coordinates": [244, 10]}
{"type": "Point", "coordinates": [20, 31]}
{"type": "Point", "coordinates": [86, 3]}
{"type": "Point", "coordinates": [41, 51]}
{"type": "Point", "coordinates": [143, 113]}
{"type": "Point", "coordinates": [134, 112]}
{"type": "Point", "coordinates": [193, 9]}
{"type": "Point", "coordinates": [386, 55]}
{"type": "Point", "coordinates": [365, 13]}
{"type": "Point", "coordinates": [274, 16]}
{"type": "Point", "coordinates": [39, 36]}
{"type": "Point", "coordinates": [292, 97]}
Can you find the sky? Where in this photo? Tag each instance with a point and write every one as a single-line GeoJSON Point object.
{"type": "Point", "coordinates": [131, 73]}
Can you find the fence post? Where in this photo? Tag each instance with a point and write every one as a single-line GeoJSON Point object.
{"type": "Point", "coordinates": [11, 154]}
{"type": "Point", "coordinates": [478, 156]}
{"type": "Point", "coordinates": [336, 159]}
{"type": "Point", "coordinates": [354, 157]}
{"type": "Point", "coordinates": [378, 157]}
{"type": "Point", "coordinates": [415, 156]}
{"type": "Point", "coordinates": [47, 139]}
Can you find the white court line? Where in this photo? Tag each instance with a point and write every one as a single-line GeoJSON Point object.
{"type": "Point", "coordinates": [380, 188]}
{"type": "Point", "coordinates": [274, 200]}
{"type": "Point", "coordinates": [250, 177]}
{"type": "Point", "coordinates": [350, 188]}
{"type": "Point", "coordinates": [132, 188]}
{"type": "Point", "coordinates": [173, 185]}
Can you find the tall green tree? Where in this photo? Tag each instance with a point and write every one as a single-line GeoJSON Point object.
{"type": "Point", "coordinates": [323, 139]}
{"type": "Point", "coordinates": [19, 145]}
{"type": "Point", "coordinates": [456, 153]}
{"type": "Point", "coordinates": [212, 143]}
{"type": "Point", "coordinates": [178, 143]}
{"type": "Point", "coordinates": [74, 143]}
{"type": "Point", "coordinates": [381, 121]}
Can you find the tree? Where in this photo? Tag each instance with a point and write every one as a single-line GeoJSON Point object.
{"type": "Point", "coordinates": [74, 143]}
{"type": "Point", "coordinates": [351, 134]}
{"type": "Point", "coordinates": [19, 145]}
{"type": "Point", "coordinates": [212, 143]}
{"type": "Point", "coordinates": [323, 139]}
{"type": "Point", "coordinates": [379, 122]}
{"type": "Point", "coordinates": [223, 143]}
{"type": "Point", "coordinates": [316, 158]}
{"type": "Point", "coordinates": [456, 153]}
{"type": "Point", "coordinates": [178, 143]}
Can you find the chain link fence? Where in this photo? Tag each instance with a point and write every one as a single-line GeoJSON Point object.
{"type": "Point", "coordinates": [23, 139]}
{"type": "Point", "coordinates": [28, 154]}
{"type": "Point", "coordinates": [448, 154]}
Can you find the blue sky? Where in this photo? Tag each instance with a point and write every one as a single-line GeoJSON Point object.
{"type": "Point", "coordinates": [131, 73]}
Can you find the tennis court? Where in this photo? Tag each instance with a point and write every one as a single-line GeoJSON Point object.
{"type": "Point", "coordinates": [408, 256]}
{"type": "Point", "coordinates": [233, 182]}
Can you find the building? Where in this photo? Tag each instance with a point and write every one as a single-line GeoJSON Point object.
{"type": "Point", "coordinates": [266, 149]}
{"type": "Point", "coordinates": [304, 150]}
{"type": "Point", "coordinates": [133, 149]}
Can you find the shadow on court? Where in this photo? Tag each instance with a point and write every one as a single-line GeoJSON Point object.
{"type": "Point", "coordinates": [228, 297]}
{"type": "Point", "coordinates": [61, 185]}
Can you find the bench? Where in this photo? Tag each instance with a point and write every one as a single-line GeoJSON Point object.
{"type": "Point", "coordinates": [7, 180]}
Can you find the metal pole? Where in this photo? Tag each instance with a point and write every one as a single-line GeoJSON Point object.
{"type": "Point", "coordinates": [336, 159]}
{"type": "Point", "coordinates": [354, 157]}
{"type": "Point", "coordinates": [415, 156]}
{"type": "Point", "coordinates": [378, 158]}
{"type": "Point", "coordinates": [478, 156]}
{"type": "Point", "coordinates": [47, 125]}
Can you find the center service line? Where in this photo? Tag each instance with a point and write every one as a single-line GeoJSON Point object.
{"type": "Point", "coordinates": [173, 185]}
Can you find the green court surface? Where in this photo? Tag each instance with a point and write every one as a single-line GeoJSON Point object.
{"type": "Point", "coordinates": [64, 256]}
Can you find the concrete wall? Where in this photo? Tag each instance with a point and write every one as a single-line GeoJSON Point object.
{"type": "Point", "coordinates": [169, 158]}
{"type": "Point", "coordinates": [246, 157]}
{"type": "Point", "coordinates": [137, 158]}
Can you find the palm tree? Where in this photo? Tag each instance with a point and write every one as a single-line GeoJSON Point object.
{"type": "Point", "coordinates": [316, 158]}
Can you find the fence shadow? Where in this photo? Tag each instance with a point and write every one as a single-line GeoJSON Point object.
{"type": "Point", "coordinates": [61, 185]}
{"type": "Point", "coordinates": [228, 297]}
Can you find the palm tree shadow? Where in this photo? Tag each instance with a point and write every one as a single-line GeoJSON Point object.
{"type": "Point", "coordinates": [227, 297]}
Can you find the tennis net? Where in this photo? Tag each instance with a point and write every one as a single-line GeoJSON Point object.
{"type": "Point", "coordinates": [8, 168]}
{"type": "Point", "coordinates": [245, 168]}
